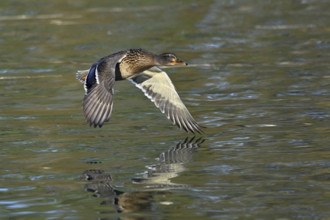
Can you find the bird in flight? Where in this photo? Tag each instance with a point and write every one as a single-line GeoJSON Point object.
{"type": "Point", "coordinates": [140, 67]}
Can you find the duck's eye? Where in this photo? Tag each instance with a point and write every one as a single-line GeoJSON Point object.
{"type": "Point", "coordinates": [170, 56]}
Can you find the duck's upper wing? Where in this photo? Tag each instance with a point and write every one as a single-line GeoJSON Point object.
{"type": "Point", "coordinates": [158, 87]}
{"type": "Point", "coordinates": [98, 84]}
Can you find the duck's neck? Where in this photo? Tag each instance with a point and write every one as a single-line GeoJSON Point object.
{"type": "Point", "coordinates": [137, 61]}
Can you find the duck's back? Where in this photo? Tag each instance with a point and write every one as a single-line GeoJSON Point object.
{"type": "Point", "coordinates": [108, 65]}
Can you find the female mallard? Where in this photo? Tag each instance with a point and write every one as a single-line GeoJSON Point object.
{"type": "Point", "coordinates": [138, 66]}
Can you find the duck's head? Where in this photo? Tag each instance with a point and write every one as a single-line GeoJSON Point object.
{"type": "Point", "coordinates": [169, 59]}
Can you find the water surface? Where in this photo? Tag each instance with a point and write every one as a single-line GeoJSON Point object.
{"type": "Point", "coordinates": [258, 79]}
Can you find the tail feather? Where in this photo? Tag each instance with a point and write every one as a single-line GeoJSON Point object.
{"type": "Point", "coordinates": [81, 75]}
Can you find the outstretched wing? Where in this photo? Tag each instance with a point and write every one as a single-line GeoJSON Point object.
{"type": "Point", "coordinates": [158, 87]}
{"type": "Point", "coordinates": [98, 84]}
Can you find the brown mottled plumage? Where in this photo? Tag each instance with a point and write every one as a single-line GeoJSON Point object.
{"type": "Point", "coordinates": [138, 66]}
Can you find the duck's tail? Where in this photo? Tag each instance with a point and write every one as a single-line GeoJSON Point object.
{"type": "Point", "coordinates": [81, 75]}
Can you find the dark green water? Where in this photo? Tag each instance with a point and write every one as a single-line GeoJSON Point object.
{"type": "Point", "coordinates": [258, 79]}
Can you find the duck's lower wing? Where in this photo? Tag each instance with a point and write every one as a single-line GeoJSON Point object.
{"type": "Point", "coordinates": [98, 100]}
{"type": "Point", "coordinates": [158, 87]}
{"type": "Point", "coordinates": [97, 104]}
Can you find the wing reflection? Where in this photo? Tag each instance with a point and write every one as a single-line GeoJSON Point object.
{"type": "Point", "coordinates": [158, 176]}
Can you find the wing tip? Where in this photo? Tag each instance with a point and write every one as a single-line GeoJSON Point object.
{"type": "Point", "coordinates": [95, 122]}
{"type": "Point", "coordinates": [190, 127]}
{"type": "Point", "coordinates": [95, 125]}
{"type": "Point", "coordinates": [200, 128]}
{"type": "Point", "coordinates": [197, 129]}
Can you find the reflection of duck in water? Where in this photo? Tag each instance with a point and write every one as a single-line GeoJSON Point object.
{"type": "Point", "coordinates": [138, 66]}
{"type": "Point", "coordinates": [156, 181]}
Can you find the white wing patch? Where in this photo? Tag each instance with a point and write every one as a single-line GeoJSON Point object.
{"type": "Point", "coordinates": [85, 86]}
{"type": "Point", "coordinates": [97, 75]}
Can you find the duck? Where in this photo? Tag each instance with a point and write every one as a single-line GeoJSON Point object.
{"type": "Point", "coordinates": [141, 67]}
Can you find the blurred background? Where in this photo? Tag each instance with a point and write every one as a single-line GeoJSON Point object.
{"type": "Point", "coordinates": [258, 79]}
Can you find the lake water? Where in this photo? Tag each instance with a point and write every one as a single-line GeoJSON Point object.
{"type": "Point", "coordinates": [258, 80]}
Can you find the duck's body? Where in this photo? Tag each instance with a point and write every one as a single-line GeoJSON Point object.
{"type": "Point", "coordinates": [138, 66]}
